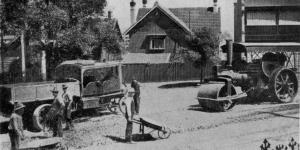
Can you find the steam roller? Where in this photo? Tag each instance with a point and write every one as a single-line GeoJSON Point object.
{"type": "Point", "coordinates": [268, 78]}
{"type": "Point", "coordinates": [220, 94]}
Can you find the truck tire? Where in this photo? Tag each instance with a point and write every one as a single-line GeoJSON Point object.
{"type": "Point", "coordinates": [113, 105]}
{"type": "Point", "coordinates": [122, 106]}
{"type": "Point", "coordinates": [39, 116]}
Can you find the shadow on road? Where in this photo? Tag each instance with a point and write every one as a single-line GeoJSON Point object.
{"type": "Point", "coordinates": [117, 139]}
{"type": "Point", "coordinates": [179, 85]}
{"type": "Point", "coordinates": [280, 115]}
{"type": "Point", "coordinates": [135, 137]}
{"type": "Point", "coordinates": [199, 108]}
{"type": "Point", "coordinates": [85, 115]}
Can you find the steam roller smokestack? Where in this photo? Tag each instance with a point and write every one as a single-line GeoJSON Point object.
{"type": "Point", "coordinates": [229, 52]}
{"type": "Point", "coordinates": [215, 7]}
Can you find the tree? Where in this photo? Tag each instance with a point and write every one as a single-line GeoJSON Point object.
{"type": "Point", "coordinates": [205, 43]}
{"type": "Point", "coordinates": [61, 27]}
{"type": "Point", "coordinates": [201, 46]}
{"type": "Point", "coordinates": [78, 9]}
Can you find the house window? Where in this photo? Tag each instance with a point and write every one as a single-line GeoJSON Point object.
{"type": "Point", "coordinates": [289, 17]}
{"type": "Point", "coordinates": [261, 18]}
{"type": "Point", "coordinates": [157, 43]}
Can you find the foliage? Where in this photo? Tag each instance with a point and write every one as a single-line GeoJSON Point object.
{"type": "Point", "coordinates": [34, 17]}
{"type": "Point", "coordinates": [205, 42]}
{"type": "Point", "coordinates": [65, 29]}
{"type": "Point", "coordinates": [91, 35]}
{"type": "Point", "coordinates": [201, 45]}
{"type": "Point", "coordinates": [73, 24]}
{"type": "Point", "coordinates": [78, 9]}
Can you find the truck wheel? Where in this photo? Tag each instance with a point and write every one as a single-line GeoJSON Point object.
{"type": "Point", "coordinates": [39, 115]}
{"type": "Point", "coordinates": [122, 106]}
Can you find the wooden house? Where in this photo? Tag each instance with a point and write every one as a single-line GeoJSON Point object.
{"type": "Point", "coordinates": [152, 36]}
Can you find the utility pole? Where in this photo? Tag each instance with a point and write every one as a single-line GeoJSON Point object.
{"type": "Point", "coordinates": [1, 36]}
{"type": "Point", "coordinates": [23, 47]}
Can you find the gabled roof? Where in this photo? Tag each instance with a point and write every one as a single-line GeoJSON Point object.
{"type": "Point", "coordinates": [166, 12]}
{"type": "Point", "coordinates": [142, 58]}
{"type": "Point", "coordinates": [191, 18]}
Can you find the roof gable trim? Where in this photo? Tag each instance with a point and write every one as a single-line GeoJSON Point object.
{"type": "Point", "coordinates": [167, 13]}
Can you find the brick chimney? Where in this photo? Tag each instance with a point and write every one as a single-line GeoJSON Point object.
{"type": "Point", "coordinates": [144, 3]}
{"type": "Point", "coordinates": [109, 14]}
{"type": "Point", "coordinates": [132, 12]}
{"type": "Point", "coordinates": [215, 7]}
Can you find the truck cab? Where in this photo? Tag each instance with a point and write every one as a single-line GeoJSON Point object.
{"type": "Point", "coordinates": [99, 81]}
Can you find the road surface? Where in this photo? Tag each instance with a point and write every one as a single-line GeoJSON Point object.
{"type": "Point", "coordinates": [243, 127]}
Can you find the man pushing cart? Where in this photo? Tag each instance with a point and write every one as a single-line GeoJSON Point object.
{"type": "Point", "coordinates": [163, 131]}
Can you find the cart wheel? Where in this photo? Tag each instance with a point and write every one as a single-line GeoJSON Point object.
{"type": "Point", "coordinates": [164, 133]}
{"type": "Point", "coordinates": [39, 116]}
{"type": "Point", "coordinates": [61, 146]}
{"type": "Point", "coordinates": [112, 106]}
{"type": "Point", "coordinates": [122, 106]}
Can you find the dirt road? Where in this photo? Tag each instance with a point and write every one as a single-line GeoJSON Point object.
{"type": "Point", "coordinates": [244, 127]}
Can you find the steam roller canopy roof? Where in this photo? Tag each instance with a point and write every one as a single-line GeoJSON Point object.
{"type": "Point", "coordinates": [236, 48]}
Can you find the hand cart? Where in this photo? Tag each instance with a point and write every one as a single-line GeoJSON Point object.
{"type": "Point", "coordinates": [163, 131]}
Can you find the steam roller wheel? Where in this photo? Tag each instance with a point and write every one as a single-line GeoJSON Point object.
{"type": "Point", "coordinates": [284, 85]}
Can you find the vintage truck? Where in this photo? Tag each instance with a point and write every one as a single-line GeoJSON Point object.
{"type": "Point", "coordinates": [92, 84]}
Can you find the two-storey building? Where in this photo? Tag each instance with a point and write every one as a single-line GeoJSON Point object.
{"type": "Point", "coordinates": [262, 26]}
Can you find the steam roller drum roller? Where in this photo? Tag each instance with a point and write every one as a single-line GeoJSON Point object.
{"type": "Point", "coordinates": [213, 96]}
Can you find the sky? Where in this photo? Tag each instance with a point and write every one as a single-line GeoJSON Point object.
{"type": "Point", "coordinates": [121, 10]}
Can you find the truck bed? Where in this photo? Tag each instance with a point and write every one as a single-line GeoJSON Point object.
{"type": "Point", "coordinates": [36, 91]}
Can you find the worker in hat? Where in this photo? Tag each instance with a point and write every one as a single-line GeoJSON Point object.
{"type": "Point", "coordinates": [55, 114]}
{"type": "Point", "coordinates": [129, 116]}
{"type": "Point", "coordinates": [67, 98]}
{"type": "Point", "coordinates": [136, 97]}
{"type": "Point", "coordinates": [15, 126]}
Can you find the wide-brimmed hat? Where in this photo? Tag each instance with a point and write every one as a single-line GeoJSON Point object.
{"type": "Point", "coordinates": [55, 90]}
{"type": "Point", "coordinates": [64, 86]}
{"type": "Point", "coordinates": [18, 105]}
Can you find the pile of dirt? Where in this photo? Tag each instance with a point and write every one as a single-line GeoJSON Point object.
{"type": "Point", "coordinates": [94, 131]}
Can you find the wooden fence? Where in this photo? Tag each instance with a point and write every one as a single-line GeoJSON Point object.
{"type": "Point", "coordinates": [164, 72]}
{"type": "Point", "coordinates": [32, 75]}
